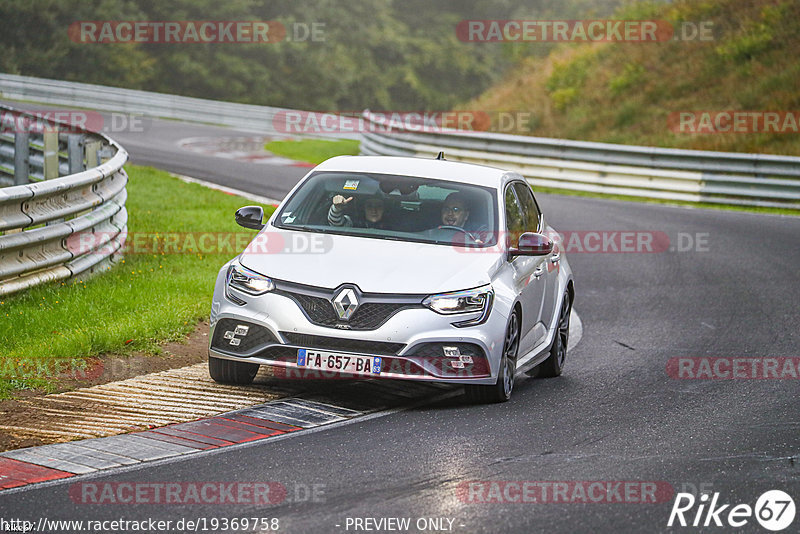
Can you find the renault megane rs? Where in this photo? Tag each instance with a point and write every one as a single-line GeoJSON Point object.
{"type": "Point", "coordinates": [428, 270]}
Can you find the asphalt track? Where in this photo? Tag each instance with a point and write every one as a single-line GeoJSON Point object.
{"type": "Point", "coordinates": [615, 415]}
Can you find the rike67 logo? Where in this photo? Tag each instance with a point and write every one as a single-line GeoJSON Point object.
{"type": "Point", "coordinates": [774, 510]}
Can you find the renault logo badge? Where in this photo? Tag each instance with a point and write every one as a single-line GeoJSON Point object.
{"type": "Point", "coordinates": [345, 303]}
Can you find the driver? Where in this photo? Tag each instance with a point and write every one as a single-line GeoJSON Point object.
{"type": "Point", "coordinates": [455, 210]}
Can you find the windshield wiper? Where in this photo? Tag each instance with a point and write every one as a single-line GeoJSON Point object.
{"type": "Point", "coordinates": [377, 236]}
{"type": "Point", "coordinates": [306, 228]}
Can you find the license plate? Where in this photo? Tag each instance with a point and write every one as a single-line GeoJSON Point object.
{"type": "Point", "coordinates": [345, 363]}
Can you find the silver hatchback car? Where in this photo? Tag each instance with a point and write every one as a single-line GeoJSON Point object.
{"type": "Point", "coordinates": [401, 268]}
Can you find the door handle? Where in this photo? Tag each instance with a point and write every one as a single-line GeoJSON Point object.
{"type": "Point", "coordinates": [555, 258]}
{"type": "Point", "coordinates": [538, 272]}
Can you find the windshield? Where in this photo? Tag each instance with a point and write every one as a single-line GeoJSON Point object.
{"type": "Point", "coordinates": [384, 206]}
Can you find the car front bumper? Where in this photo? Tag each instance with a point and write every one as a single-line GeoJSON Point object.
{"type": "Point", "coordinates": [410, 343]}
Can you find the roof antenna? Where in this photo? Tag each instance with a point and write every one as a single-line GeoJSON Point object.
{"type": "Point", "coordinates": [441, 155]}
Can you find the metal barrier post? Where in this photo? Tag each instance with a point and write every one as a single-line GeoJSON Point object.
{"type": "Point", "coordinates": [22, 151]}
{"type": "Point", "coordinates": [50, 153]}
{"type": "Point", "coordinates": [75, 153]}
{"type": "Point", "coordinates": [92, 148]}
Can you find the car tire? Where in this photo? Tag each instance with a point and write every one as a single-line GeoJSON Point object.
{"type": "Point", "coordinates": [231, 372]}
{"type": "Point", "coordinates": [554, 364]}
{"type": "Point", "coordinates": [502, 389]}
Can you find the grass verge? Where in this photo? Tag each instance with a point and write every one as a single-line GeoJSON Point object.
{"type": "Point", "coordinates": [179, 235]}
{"type": "Point", "coordinates": [313, 150]}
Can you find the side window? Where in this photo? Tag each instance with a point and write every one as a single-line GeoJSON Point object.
{"type": "Point", "coordinates": [529, 210]}
{"type": "Point", "coordinates": [514, 219]}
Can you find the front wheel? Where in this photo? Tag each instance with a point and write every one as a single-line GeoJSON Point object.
{"type": "Point", "coordinates": [554, 364]}
{"type": "Point", "coordinates": [501, 390]}
{"type": "Point", "coordinates": [231, 372]}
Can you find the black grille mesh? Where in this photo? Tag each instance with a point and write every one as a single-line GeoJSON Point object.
{"type": "Point", "coordinates": [318, 309]}
{"type": "Point", "coordinates": [347, 345]}
{"type": "Point", "coordinates": [368, 316]}
{"type": "Point", "coordinates": [279, 353]}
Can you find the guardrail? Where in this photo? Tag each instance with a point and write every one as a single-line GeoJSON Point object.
{"type": "Point", "coordinates": [257, 119]}
{"type": "Point", "coordinates": [672, 174]}
{"type": "Point", "coordinates": [62, 192]}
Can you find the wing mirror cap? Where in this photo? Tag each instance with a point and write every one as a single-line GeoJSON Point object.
{"type": "Point", "coordinates": [532, 244]}
{"type": "Point", "coordinates": [250, 217]}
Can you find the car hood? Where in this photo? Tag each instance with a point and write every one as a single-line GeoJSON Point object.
{"type": "Point", "coordinates": [374, 265]}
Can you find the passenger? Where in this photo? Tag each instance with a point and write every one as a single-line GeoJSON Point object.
{"type": "Point", "coordinates": [374, 208]}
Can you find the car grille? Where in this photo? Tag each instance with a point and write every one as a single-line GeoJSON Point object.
{"type": "Point", "coordinates": [368, 316]}
{"type": "Point", "coordinates": [343, 344]}
{"type": "Point", "coordinates": [256, 336]}
{"type": "Point", "coordinates": [280, 353]}
{"type": "Point", "coordinates": [401, 366]}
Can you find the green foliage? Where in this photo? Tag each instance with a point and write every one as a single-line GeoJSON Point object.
{"type": "Point", "coordinates": [562, 98]}
{"type": "Point", "coordinates": [35, 40]}
{"type": "Point", "coordinates": [632, 75]}
{"type": "Point", "coordinates": [378, 54]}
{"type": "Point", "coordinates": [571, 74]}
{"type": "Point", "coordinates": [568, 78]}
{"type": "Point", "coordinates": [755, 36]}
{"type": "Point", "coordinates": [745, 59]}
{"type": "Point", "coordinates": [628, 113]}
{"type": "Point", "coordinates": [747, 45]}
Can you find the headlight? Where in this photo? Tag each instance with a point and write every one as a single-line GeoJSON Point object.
{"type": "Point", "coordinates": [467, 301]}
{"type": "Point", "coordinates": [247, 281]}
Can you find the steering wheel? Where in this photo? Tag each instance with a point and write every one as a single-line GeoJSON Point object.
{"type": "Point", "coordinates": [448, 227]}
{"type": "Point", "coordinates": [459, 229]}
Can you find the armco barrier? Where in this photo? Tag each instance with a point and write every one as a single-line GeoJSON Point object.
{"type": "Point", "coordinates": [61, 187]}
{"type": "Point", "coordinates": [258, 119]}
{"type": "Point", "coordinates": [688, 175]}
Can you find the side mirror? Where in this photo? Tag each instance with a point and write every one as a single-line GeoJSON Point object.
{"type": "Point", "coordinates": [250, 217]}
{"type": "Point", "coordinates": [532, 244]}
